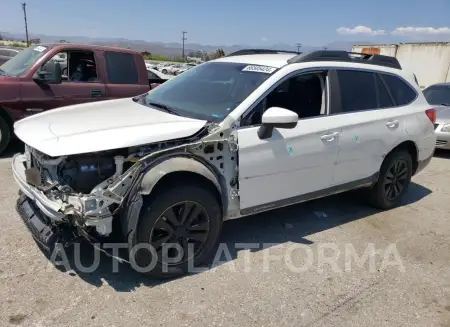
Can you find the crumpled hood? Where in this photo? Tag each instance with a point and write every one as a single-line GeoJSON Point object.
{"type": "Point", "coordinates": [100, 126]}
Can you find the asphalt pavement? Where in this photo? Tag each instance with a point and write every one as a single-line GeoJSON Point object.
{"type": "Point", "coordinates": [302, 270]}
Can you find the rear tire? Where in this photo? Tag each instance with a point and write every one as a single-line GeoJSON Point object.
{"type": "Point", "coordinates": [393, 181]}
{"type": "Point", "coordinates": [171, 217]}
{"type": "Point", "coordinates": [5, 135]}
{"type": "Point", "coordinates": [164, 71]}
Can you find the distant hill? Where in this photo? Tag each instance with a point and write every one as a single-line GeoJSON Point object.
{"type": "Point", "coordinates": [171, 49]}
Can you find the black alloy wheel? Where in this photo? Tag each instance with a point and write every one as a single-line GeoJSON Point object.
{"type": "Point", "coordinates": [181, 224]}
{"type": "Point", "coordinates": [185, 224]}
{"type": "Point", "coordinates": [395, 179]}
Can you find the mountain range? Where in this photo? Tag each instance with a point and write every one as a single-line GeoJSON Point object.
{"type": "Point", "coordinates": [174, 49]}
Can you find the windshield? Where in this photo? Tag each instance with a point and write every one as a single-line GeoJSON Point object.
{"type": "Point", "coordinates": [438, 95]}
{"type": "Point", "coordinates": [209, 91]}
{"type": "Point", "coordinates": [22, 62]}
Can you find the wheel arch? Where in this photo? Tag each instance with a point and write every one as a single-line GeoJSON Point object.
{"type": "Point", "coordinates": [410, 147]}
{"type": "Point", "coordinates": [175, 169]}
{"type": "Point", "coordinates": [170, 171]}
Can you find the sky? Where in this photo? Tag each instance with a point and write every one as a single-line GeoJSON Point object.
{"type": "Point", "coordinates": [228, 22]}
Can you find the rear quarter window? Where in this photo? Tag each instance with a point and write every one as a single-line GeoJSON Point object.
{"type": "Point", "coordinates": [121, 68]}
{"type": "Point", "coordinates": [402, 93]}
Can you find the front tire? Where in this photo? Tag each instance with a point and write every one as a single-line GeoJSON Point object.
{"type": "Point", "coordinates": [5, 135]}
{"type": "Point", "coordinates": [393, 181]}
{"type": "Point", "coordinates": [164, 71]}
{"type": "Point", "coordinates": [182, 225]}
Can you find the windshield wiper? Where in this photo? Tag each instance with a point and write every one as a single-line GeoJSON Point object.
{"type": "Point", "coordinates": [2, 72]}
{"type": "Point", "coordinates": [163, 106]}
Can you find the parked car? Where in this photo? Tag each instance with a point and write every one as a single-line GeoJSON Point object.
{"type": "Point", "coordinates": [232, 137]}
{"type": "Point", "coordinates": [7, 53]}
{"type": "Point", "coordinates": [438, 95]}
{"type": "Point", "coordinates": [150, 65]}
{"type": "Point", "coordinates": [184, 68]}
{"type": "Point", "coordinates": [162, 67]}
{"type": "Point", "coordinates": [171, 69]}
{"type": "Point", "coordinates": [156, 78]}
{"type": "Point", "coordinates": [49, 76]}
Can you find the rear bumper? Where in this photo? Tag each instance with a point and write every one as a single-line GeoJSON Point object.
{"type": "Point", "coordinates": [50, 208]}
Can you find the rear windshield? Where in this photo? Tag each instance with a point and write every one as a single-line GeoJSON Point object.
{"type": "Point", "coordinates": [438, 95]}
{"type": "Point", "coordinates": [210, 91]}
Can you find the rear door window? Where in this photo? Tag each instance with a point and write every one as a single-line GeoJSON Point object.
{"type": "Point", "coordinates": [121, 68]}
{"type": "Point", "coordinates": [358, 90]}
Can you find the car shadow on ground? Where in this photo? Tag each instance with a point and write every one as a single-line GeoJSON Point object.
{"type": "Point", "coordinates": [289, 224]}
{"type": "Point", "coordinates": [444, 154]}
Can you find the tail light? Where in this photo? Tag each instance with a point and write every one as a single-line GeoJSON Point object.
{"type": "Point", "coordinates": [431, 113]}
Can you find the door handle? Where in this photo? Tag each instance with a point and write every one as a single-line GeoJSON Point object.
{"type": "Point", "coordinates": [329, 137]}
{"type": "Point", "coordinates": [96, 93]}
{"type": "Point", "coordinates": [392, 123]}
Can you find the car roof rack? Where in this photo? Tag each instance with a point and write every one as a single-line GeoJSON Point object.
{"type": "Point", "coordinates": [344, 56]}
{"type": "Point", "coordinates": [259, 51]}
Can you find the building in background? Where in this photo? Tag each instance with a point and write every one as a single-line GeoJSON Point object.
{"type": "Point", "coordinates": [430, 62]}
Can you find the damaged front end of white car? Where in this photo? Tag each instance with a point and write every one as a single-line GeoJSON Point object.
{"type": "Point", "coordinates": [90, 194]}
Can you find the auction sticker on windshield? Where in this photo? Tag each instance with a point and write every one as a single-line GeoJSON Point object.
{"type": "Point", "coordinates": [259, 69]}
{"type": "Point", "coordinates": [39, 48]}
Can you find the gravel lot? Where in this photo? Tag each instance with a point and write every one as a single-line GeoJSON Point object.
{"type": "Point", "coordinates": [36, 293]}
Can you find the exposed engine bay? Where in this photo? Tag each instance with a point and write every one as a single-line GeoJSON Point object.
{"type": "Point", "coordinates": [83, 173]}
{"type": "Point", "coordinates": [89, 190]}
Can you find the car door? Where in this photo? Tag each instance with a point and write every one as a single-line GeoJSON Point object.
{"type": "Point", "coordinates": [291, 165]}
{"type": "Point", "coordinates": [371, 125]}
{"type": "Point", "coordinates": [37, 97]}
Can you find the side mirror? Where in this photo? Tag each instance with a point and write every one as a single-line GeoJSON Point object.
{"type": "Point", "coordinates": [276, 117]}
{"type": "Point", "coordinates": [49, 74]}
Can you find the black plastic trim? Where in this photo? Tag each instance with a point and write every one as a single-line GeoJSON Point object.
{"type": "Point", "coordinates": [259, 51]}
{"type": "Point", "coordinates": [265, 131]}
{"type": "Point", "coordinates": [344, 56]}
{"type": "Point", "coordinates": [311, 196]}
{"type": "Point", "coordinates": [335, 105]}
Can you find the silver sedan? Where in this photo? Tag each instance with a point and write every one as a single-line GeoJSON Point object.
{"type": "Point", "coordinates": [438, 95]}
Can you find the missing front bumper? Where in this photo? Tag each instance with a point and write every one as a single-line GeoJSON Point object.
{"type": "Point", "coordinates": [50, 208]}
{"type": "Point", "coordinates": [54, 211]}
{"type": "Point", "coordinates": [45, 233]}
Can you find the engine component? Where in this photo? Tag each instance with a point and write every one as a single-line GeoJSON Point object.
{"type": "Point", "coordinates": [83, 173]}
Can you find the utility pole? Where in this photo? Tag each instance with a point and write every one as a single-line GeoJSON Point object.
{"type": "Point", "coordinates": [25, 18]}
{"type": "Point", "coordinates": [299, 45]}
{"type": "Point", "coordinates": [183, 38]}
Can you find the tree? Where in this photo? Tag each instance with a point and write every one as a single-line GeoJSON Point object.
{"type": "Point", "coordinates": [217, 54]}
{"type": "Point", "coordinates": [220, 53]}
{"type": "Point", "coordinates": [146, 54]}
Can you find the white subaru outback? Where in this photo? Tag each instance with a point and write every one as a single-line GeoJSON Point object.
{"type": "Point", "coordinates": [249, 132]}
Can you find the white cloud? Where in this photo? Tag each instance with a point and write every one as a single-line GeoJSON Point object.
{"type": "Point", "coordinates": [264, 39]}
{"type": "Point", "coordinates": [421, 31]}
{"type": "Point", "coordinates": [359, 30]}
